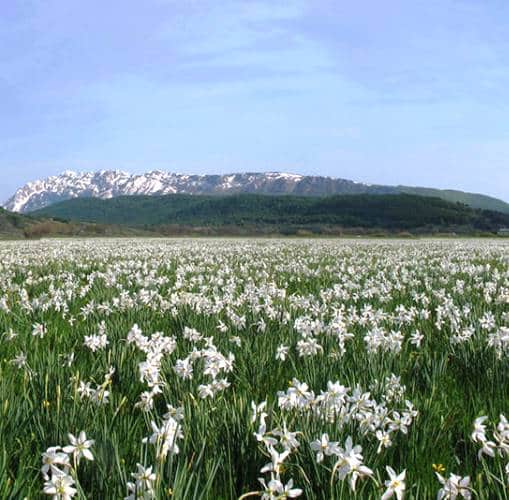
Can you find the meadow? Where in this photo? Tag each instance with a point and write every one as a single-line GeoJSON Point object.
{"type": "Point", "coordinates": [225, 369]}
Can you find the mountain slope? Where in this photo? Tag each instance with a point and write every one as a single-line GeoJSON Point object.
{"type": "Point", "coordinates": [12, 224]}
{"type": "Point", "coordinates": [18, 226]}
{"type": "Point", "coordinates": [109, 184]}
{"type": "Point", "coordinates": [388, 212]}
{"type": "Point", "coordinates": [475, 200]}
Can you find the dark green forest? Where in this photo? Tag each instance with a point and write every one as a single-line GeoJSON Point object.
{"type": "Point", "coordinates": [392, 212]}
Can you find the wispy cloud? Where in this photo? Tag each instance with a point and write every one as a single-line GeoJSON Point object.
{"type": "Point", "coordinates": [355, 89]}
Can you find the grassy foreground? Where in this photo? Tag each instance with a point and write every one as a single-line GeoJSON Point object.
{"type": "Point", "coordinates": [264, 348]}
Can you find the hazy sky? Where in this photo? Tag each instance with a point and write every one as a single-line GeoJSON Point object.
{"type": "Point", "coordinates": [394, 91]}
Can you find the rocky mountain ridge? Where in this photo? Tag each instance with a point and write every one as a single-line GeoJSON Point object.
{"type": "Point", "coordinates": [106, 184]}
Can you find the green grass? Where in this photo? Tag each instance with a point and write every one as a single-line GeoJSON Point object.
{"type": "Point", "coordinates": [194, 284]}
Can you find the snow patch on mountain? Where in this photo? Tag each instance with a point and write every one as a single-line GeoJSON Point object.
{"type": "Point", "coordinates": [111, 183]}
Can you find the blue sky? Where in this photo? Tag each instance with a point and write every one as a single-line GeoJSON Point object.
{"type": "Point", "coordinates": [394, 92]}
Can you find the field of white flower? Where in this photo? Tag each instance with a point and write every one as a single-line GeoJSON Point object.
{"type": "Point", "coordinates": [220, 369]}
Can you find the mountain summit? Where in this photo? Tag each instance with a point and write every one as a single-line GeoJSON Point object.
{"type": "Point", "coordinates": [107, 184]}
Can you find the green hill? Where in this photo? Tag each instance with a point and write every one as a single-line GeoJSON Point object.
{"type": "Point", "coordinates": [394, 212]}
{"type": "Point", "coordinates": [13, 224]}
{"type": "Point", "coordinates": [474, 200]}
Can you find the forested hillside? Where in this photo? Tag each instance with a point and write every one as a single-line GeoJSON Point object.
{"type": "Point", "coordinates": [387, 212]}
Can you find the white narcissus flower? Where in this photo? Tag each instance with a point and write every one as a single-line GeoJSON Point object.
{"type": "Point", "coordinates": [416, 338]}
{"type": "Point", "coordinates": [79, 447]}
{"type": "Point", "coordinates": [165, 437]}
{"type": "Point", "coordinates": [502, 436]}
{"type": "Point", "coordinates": [184, 368]}
{"type": "Point", "coordinates": [454, 487]}
{"type": "Point", "coordinates": [275, 489]}
{"type": "Point", "coordinates": [20, 360]}
{"type": "Point", "coordinates": [358, 470]}
{"type": "Point", "coordinates": [144, 477]}
{"type": "Point", "coordinates": [38, 330]}
{"type": "Point", "coordinates": [289, 491]}
{"type": "Point", "coordinates": [488, 448]}
{"type": "Point", "coordinates": [52, 459]}
{"type": "Point", "coordinates": [257, 410]}
{"type": "Point", "coordinates": [479, 433]}
{"type": "Point", "coordinates": [96, 342]}
{"type": "Point", "coordinates": [276, 462]}
{"type": "Point", "coordinates": [261, 435]}
{"type": "Point", "coordinates": [350, 464]}
{"type": "Point", "coordinates": [324, 447]}
{"type": "Point", "coordinates": [60, 486]}
{"type": "Point", "coordinates": [282, 352]}
{"type": "Point", "coordinates": [287, 438]}
{"type": "Point", "coordinates": [384, 440]}
{"type": "Point", "coordinates": [395, 484]}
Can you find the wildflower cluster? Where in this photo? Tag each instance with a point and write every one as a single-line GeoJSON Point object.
{"type": "Point", "coordinates": [60, 466]}
{"type": "Point", "coordinates": [345, 407]}
{"type": "Point", "coordinates": [498, 445]}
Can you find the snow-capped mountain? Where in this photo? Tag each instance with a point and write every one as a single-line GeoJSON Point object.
{"type": "Point", "coordinates": [110, 183]}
